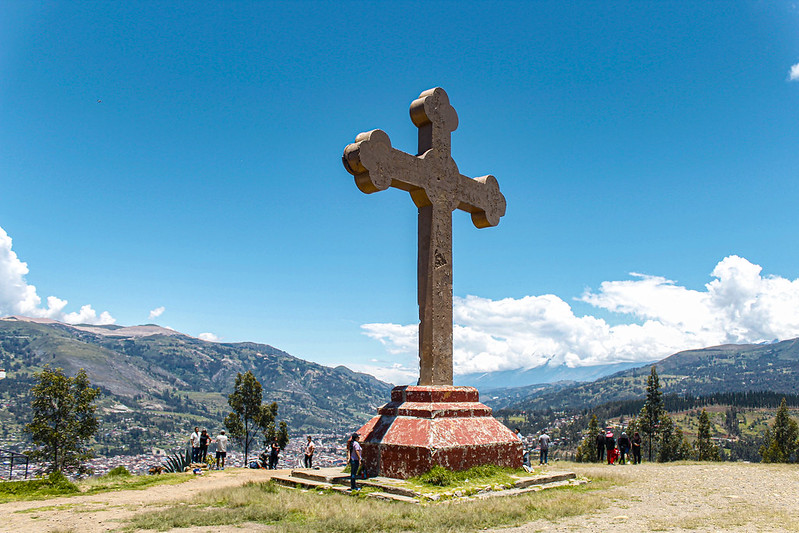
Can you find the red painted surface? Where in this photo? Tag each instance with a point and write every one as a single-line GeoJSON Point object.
{"type": "Point", "coordinates": [425, 426]}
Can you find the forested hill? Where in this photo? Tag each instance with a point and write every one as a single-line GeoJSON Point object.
{"type": "Point", "coordinates": [729, 368]}
{"type": "Point", "coordinates": [152, 370]}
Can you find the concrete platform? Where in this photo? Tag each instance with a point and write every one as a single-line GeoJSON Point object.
{"type": "Point", "coordinates": [398, 490]}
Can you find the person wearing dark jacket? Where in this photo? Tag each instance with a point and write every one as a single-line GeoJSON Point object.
{"type": "Point", "coordinates": [636, 442]}
{"type": "Point", "coordinates": [624, 447]}
{"type": "Point", "coordinates": [600, 446]}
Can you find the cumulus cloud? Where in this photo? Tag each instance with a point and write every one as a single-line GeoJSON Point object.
{"type": "Point", "coordinates": [17, 297]}
{"type": "Point", "coordinates": [657, 317]}
{"type": "Point", "coordinates": [158, 311]}
{"type": "Point", "coordinates": [208, 337]}
{"type": "Point", "coordinates": [793, 75]}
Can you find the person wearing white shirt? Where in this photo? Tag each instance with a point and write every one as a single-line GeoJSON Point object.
{"type": "Point", "coordinates": [221, 450]}
{"type": "Point", "coordinates": [195, 445]}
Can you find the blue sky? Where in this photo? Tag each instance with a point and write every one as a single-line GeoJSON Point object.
{"type": "Point", "coordinates": [186, 156]}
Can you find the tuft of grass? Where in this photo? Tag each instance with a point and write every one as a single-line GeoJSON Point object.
{"type": "Point", "coordinates": [295, 511]}
{"type": "Point", "coordinates": [130, 482]}
{"type": "Point", "coordinates": [441, 477]}
{"type": "Point", "coordinates": [56, 484]}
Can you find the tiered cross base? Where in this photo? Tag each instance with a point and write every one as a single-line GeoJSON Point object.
{"type": "Point", "coordinates": [425, 426]}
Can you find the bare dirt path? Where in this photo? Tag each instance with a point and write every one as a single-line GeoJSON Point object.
{"type": "Point", "coordinates": [705, 497]}
{"type": "Point", "coordinates": [109, 511]}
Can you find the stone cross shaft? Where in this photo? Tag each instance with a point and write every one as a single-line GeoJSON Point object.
{"type": "Point", "coordinates": [437, 188]}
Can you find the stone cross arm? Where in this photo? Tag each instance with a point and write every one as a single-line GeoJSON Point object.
{"type": "Point", "coordinates": [428, 177]}
{"type": "Point", "coordinates": [437, 188]}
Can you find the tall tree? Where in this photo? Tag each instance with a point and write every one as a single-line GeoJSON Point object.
{"type": "Point", "coordinates": [673, 446]}
{"type": "Point", "coordinates": [704, 447]}
{"type": "Point", "coordinates": [250, 417]}
{"type": "Point", "coordinates": [63, 420]}
{"type": "Point", "coordinates": [652, 411]}
{"type": "Point", "coordinates": [586, 450]}
{"type": "Point", "coordinates": [245, 401]}
{"type": "Point", "coordinates": [731, 423]}
{"type": "Point", "coordinates": [272, 432]}
{"type": "Point", "coordinates": [781, 441]}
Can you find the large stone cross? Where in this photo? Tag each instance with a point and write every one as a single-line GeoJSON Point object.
{"type": "Point", "coordinates": [437, 189]}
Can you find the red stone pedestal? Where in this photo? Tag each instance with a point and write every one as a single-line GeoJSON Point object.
{"type": "Point", "coordinates": [425, 426]}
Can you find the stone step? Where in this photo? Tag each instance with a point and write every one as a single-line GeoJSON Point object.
{"type": "Point", "coordinates": [392, 497]}
{"type": "Point", "coordinates": [387, 487]}
{"type": "Point", "coordinates": [325, 475]}
{"type": "Point", "coordinates": [543, 479]}
{"type": "Point", "coordinates": [292, 481]}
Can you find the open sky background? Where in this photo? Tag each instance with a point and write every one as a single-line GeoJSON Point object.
{"type": "Point", "coordinates": [179, 163]}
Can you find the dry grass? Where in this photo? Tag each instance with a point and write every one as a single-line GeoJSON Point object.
{"type": "Point", "coordinates": [297, 511]}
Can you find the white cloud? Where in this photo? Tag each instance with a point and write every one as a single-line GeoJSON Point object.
{"type": "Point", "coordinates": [17, 297]}
{"type": "Point", "coordinates": [794, 73]}
{"type": "Point", "coordinates": [396, 373]}
{"type": "Point", "coordinates": [209, 337]}
{"type": "Point", "coordinates": [738, 306]}
{"type": "Point", "coordinates": [158, 311]}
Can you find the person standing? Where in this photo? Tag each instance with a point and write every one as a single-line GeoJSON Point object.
{"type": "Point", "coordinates": [205, 438]}
{"type": "Point", "coordinates": [636, 442]}
{"type": "Point", "coordinates": [194, 439]}
{"type": "Point", "coordinates": [221, 450]}
{"type": "Point", "coordinates": [309, 449]}
{"type": "Point", "coordinates": [600, 446]}
{"type": "Point", "coordinates": [354, 458]}
{"type": "Point", "coordinates": [543, 443]}
{"type": "Point", "coordinates": [273, 455]}
{"type": "Point", "coordinates": [624, 447]}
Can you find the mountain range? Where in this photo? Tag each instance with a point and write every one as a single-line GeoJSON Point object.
{"type": "Point", "coordinates": [157, 381]}
{"type": "Point", "coordinates": [156, 371]}
{"type": "Point", "coordinates": [728, 368]}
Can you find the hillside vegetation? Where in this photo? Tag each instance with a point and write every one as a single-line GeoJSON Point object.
{"type": "Point", "coordinates": [165, 382]}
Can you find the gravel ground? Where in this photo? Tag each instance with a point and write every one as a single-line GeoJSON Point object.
{"type": "Point", "coordinates": [688, 497]}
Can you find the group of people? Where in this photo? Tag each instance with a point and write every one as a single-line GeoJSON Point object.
{"type": "Point", "coordinates": [618, 450]}
{"type": "Point", "coordinates": [200, 440]}
{"type": "Point", "coordinates": [271, 455]}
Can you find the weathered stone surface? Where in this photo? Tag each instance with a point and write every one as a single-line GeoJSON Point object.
{"type": "Point", "coordinates": [437, 188]}
{"type": "Point", "coordinates": [433, 423]}
{"type": "Point", "coordinates": [408, 438]}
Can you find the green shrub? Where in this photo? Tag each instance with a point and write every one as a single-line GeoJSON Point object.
{"type": "Point", "coordinates": [119, 471]}
{"type": "Point", "coordinates": [438, 476]}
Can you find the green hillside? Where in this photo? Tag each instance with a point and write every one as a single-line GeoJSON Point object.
{"type": "Point", "coordinates": [729, 368]}
{"type": "Point", "coordinates": [157, 386]}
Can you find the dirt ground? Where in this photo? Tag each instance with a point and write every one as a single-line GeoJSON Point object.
{"type": "Point", "coordinates": [109, 511]}
{"type": "Point", "coordinates": [650, 497]}
{"type": "Point", "coordinates": [705, 497]}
